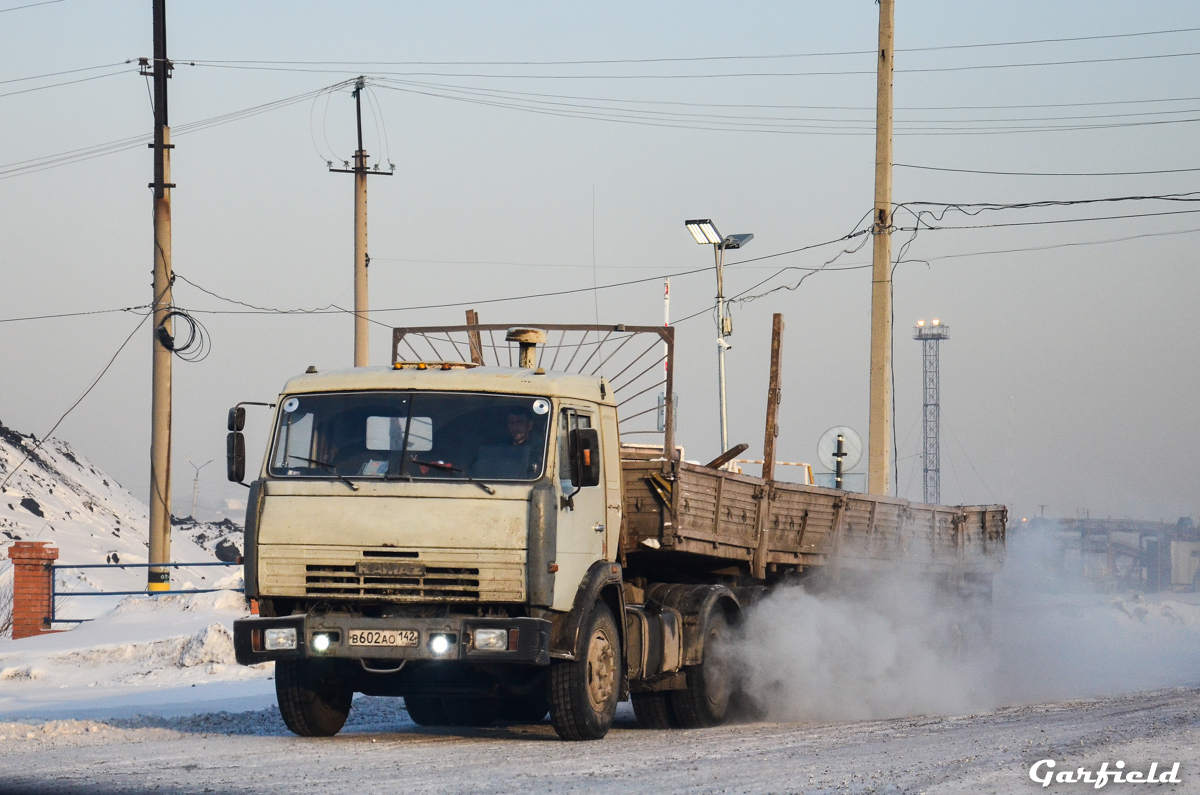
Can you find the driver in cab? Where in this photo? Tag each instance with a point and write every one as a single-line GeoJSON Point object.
{"type": "Point", "coordinates": [518, 459]}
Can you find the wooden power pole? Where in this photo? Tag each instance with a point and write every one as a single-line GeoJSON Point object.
{"type": "Point", "coordinates": [361, 259]}
{"type": "Point", "coordinates": [159, 579]}
{"type": "Point", "coordinates": [879, 441]}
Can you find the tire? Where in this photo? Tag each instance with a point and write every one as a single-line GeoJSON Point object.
{"type": "Point", "coordinates": [653, 710]}
{"type": "Point", "coordinates": [467, 711]}
{"type": "Point", "coordinates": [426, 710]}
{"type": "Point", "coordinates": [314, 699]}
{"type": "Point", "coordinates": [584, 692]}
{"type": "Point", "coordinates": [706, 700]}
{"type": "Point", "coordinates": [526, 709]}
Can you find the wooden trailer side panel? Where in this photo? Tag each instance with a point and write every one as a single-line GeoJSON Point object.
{"type": "Point", "coordinates": [715, 513]}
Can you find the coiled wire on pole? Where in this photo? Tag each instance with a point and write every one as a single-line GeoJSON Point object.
{"type": "Point", "coordinates": [195, 347]}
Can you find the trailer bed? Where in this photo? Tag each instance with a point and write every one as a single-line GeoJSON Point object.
{"type": "Point", "coordinates": [774, 526]}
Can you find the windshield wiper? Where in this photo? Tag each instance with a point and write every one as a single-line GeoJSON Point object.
{"type": "Point", "coordinates": [330, 467]}
{"type": "Point", "coordinates": [449, 468]}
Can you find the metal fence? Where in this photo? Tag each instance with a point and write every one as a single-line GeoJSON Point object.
{"type": "Point", "coordinates": [55, 593]}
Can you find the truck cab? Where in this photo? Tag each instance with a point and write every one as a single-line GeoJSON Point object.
{"type": "Point", "coordinates": [425, 530]}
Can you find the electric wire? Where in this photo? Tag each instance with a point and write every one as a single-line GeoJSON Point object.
{"type": "Point", "coordinates": [253, 66]}
{"type": "Point", "coordinates": [702, 58]}
{"type": "Point", "coordinates": [30, 5]}
{"type": "Point", "coordinates": [649, 119]}
{"type": "Point", "coordinates": [73, 314]}
{"type": "Point", "coordinates": [66, 83]}
{"type": "Point", "coordinates": [34, 165]}
{"type": "Point", "coordinates": [67, 72]}
{"type": "Point", "coordinates": [589, 103]}
{"type": "Point", "coordinates": [96, 380]}
{"type": "Point", "coordinates": [1047, 173]}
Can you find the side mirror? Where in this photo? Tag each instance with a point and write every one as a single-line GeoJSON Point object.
{"type": "Point", "coordinates": [237, 418]}
{"type": "Point", "coordinates": [585, 457]}
{"type": "Point", "coordinates": [235, 455]}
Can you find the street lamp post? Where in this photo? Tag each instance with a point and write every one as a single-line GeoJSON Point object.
{"type": "Point", "coordinates": [705, 233]}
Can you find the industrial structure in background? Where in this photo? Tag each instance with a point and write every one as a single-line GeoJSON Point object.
{"type": "Point", "coordinates": [931, 417]}
{"type": "Point", "coordinates": [1123, 553]}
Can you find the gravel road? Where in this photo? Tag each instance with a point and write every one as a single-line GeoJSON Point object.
{"type": "Point", "coordinates": [382, 751]}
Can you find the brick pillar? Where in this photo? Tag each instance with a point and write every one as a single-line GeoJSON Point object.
{"type": "Point", "coordinates": [31, 587]}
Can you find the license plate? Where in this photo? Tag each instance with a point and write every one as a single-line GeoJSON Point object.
{"type": "Point", "coordinates": [384, 637]}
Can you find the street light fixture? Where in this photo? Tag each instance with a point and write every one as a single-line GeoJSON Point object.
{"type": "Point", "coordinates": [705, 233]}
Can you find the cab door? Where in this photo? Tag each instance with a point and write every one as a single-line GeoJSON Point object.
{"type": "Point", "coordinates": [581, 511]}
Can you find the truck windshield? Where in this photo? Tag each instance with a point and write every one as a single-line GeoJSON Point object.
{"type": "Point", "coordinates": [420, 435]}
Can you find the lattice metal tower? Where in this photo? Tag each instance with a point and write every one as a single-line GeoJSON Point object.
{"type": "Point", "coordinates": [931, 423]}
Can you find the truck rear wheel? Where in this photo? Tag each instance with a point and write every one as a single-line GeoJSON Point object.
{"type": "Point", "coordinates": [468, 711]}
{"type": "Point", "coordinates": [584, 691]}
{"type": "Point", "coordinates": [705, 702]}
{"type": "Point", "coordinates": [426, 710]}
{"type": "Point", "coordinates": [526, 709]}
{"type": "Point", "coordinates": [314, 699]}
{"type": "Point", "coordinates": [653, 710]}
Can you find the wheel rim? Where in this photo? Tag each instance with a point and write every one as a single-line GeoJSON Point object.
{"type": "Point", "coordinates": [716, 672]}
{"type": "Point", "coordinates": [601, 671]}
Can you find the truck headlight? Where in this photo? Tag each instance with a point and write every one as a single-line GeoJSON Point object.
{"type": "Point", "coordinates": [279, 639]}
{"type": "Point", "coordinates": [320, 642]}
{"type": "Point", "coordinates": [491, 640]}
{"type": "Point", "coordinates": [440, 644]}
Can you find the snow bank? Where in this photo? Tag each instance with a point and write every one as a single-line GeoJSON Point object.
{"type": "Point", "coordinates": [61, 497]}
{"type": "Point", "coordinates": [145, 645]}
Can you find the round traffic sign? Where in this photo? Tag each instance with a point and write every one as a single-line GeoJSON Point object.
{"type": "Point", "coordinates": [851, 448]}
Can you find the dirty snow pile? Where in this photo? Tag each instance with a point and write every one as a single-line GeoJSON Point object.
{"type": "Point", "coordinates": [147, 652]}
{"type": "Point", "coordinates": [61, 497]}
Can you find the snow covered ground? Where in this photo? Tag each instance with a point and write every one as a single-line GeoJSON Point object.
{"type": "Point", "coordinates": [148, 697]}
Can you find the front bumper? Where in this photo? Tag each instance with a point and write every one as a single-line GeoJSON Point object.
{"type": "Point", "coordinates": [529, 638]}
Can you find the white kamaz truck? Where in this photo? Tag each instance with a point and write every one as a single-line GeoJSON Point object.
{"type": "Point", "coordinates": [500, 526]}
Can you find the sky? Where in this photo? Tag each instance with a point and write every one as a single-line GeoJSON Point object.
{"type": "Point", "coordinates": [1070, 377]}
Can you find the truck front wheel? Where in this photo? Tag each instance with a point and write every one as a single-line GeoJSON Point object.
{"type": "Point", "coordinates": [314, 699]}
{"type": "Point", "coordinates": [584, 691]}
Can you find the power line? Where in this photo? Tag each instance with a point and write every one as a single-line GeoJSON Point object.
{"type": "Point", "coordinates": [66, 83]}
{"type": "Point", "coordinates": [642, 119]}
{"type": "Point", "coordinates": [74, 314]}
{"type": "Point", "coordinates": [334, 309]}
{"type": "Point", "coordinates": [66, 71]}
{"type": "Point", "coordinates": [124, 144]}
{"type": "Point", "coordinates": [86, 392]}
{"type": "Point", "coordinates": [30, 5]}
{"type": "Point", "coordinates": [1055, 246]}
{"type": "Point", "coordinates": [589, 103]}
{"type": "Point", "coordinates": [696, 59]}
{"type": "Point", "coordinates": [1046, 223]}
{"type": "Point", "coordinates": [1048, 173]}
{"type": "Point", "coordinates": [705, 76]}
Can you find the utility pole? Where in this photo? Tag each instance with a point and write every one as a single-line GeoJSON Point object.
{"type": "Point", "coordinates": [879, 440]}
{"type": "Point", "coordinates": [361, 259]}
{"type": "Point", "coordinates": [159, 579]}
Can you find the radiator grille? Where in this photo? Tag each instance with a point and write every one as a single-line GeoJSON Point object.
{"type": "Point", "coordinates": [441, 583]}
